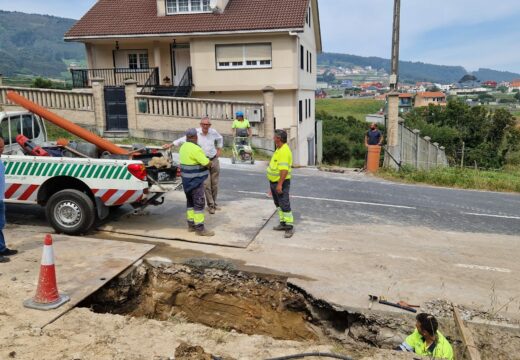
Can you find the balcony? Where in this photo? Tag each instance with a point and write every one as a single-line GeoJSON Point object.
{"type": "Point", "coordinates": [81, 78]}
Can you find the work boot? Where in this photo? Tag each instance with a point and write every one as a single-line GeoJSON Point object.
{"type": "Point", "coordinates": [191, 228]}
{"type": "Point", "coordinates": [280, 227]}
{"type": "Point", "coordinates": [205, 232]}
{"type": "Point", "coordinates": [289, 232]}
{"type": "Point", "coordinates": [4, 259]}
{"type": "Point", "coordinates": [211, 210]}
{"type": "Point", "coordinates": [8, 252]}
{"type": "Point", "coordinates": [216, 207]}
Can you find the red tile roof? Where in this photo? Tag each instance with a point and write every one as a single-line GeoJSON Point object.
{"type": "Point", "coordinates": [405, 95]}
{"type": "Point", "coordinates": [431, 94]}
{"type": "Point", "coordinates": [139, 17]}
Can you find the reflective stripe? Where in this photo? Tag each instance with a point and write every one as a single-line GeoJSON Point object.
{"type": "Point", "coordinates": [48, 255]}
{"type": "Point", "coordinates": [405, 347]}
{"type": "Point", "coordinates": [199, 217]}
{"type": "Point", "coordinates": [191, 167]}
{"type": "Point", "coordinates": [283, 164]}
{"type": "Point", "coordinates": [280, 214]}
{"type": "Point", "coordinates": [288, 218]}
{"type": "Point", "coordinates": [194, 175]}
{"type": "Point", "coordinates": [190, 214]}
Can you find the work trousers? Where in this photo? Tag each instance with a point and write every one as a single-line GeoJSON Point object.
{"type": "Point", "coordinates": [195, 207]}
{"type": "Point", "coordinates": [211, 183]}
{"type": "Point", "coordinates": [283, 203]}
{"type": "Point", "coordinates": [2, 225]}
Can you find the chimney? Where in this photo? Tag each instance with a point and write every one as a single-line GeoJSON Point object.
{"type": "Point", "coordinates": [161, 7]}
{"type": "Point", "coordinates": [219, 5]}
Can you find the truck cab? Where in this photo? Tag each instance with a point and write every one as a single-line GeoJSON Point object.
{"type": "Point", "coordinates": [13, 123]}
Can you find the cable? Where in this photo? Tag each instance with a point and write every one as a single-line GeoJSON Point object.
{"type": "Point", "coordinates": [315, 354]}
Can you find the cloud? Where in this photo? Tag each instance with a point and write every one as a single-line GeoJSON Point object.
{"type": "Point", "coordinates": [441, 31]}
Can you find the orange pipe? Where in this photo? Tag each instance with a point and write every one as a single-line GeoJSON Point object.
{"type": "Point", "coordinates": [66, 124]}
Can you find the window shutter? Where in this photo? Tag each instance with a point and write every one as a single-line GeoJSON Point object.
{"type": "Point", "coordinates": [230, 53]}
{"type": "Point", "coordinates": [258, 52]}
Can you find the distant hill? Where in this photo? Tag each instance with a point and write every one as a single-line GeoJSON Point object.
{"type": "Point", "coordinates": [415, 71]}
{"type": "Point", "coordinates": [33, 45]}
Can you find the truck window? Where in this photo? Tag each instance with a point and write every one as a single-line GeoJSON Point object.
{"type": "Point", "coordinates": [16, 127]}
{"type": "Point", "coordinates": [4, 130]}
{"type": "Point", "coordinates": [26, 125]}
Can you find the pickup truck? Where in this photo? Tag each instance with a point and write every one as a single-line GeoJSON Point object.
{"type": "Point", "coordinates": [76, 192]}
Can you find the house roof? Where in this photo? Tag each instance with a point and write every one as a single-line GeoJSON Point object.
{"type": "Point", "coordinates": [431, 94]}
{"type": "Point", "coordinates": [139, 17]}
{"type": "Point", "coordinates": [405, 95]}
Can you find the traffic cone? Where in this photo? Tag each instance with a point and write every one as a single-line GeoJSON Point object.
{"type": "Point", "coordinates": [47, 296]}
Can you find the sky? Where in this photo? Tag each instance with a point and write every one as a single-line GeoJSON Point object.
{"type": "Point", "coordinates": [471, 33]}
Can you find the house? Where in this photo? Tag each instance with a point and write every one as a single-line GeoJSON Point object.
{"type": "Point", "coordinates": [430, 97]}
{"type": "Point", "coordinates": [515, 85]}
{"type": "Point", "coordinates": [210, 49]}
{"type": "Point", "coordinates": [405, 102]}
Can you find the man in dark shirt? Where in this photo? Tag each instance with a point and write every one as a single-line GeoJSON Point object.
{"type": "Point", "coordinates": [373, 136]}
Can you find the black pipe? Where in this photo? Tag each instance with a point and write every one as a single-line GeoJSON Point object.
{"type": "Point", "coordinates": [315, 354]}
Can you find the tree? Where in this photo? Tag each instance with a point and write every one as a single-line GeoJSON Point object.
{"type": "Point", "coordinates": [517, 96]}
{"type": "Point", "coordinates": [503, 89]}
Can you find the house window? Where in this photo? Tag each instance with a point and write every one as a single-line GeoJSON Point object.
{"type": "Point", "coordinates": [302, 52]}
{"type": "Point", "coordinates": [309, 105]}
{"type": "Point", "coordinates": [143, 61]}
{"type": "Point", "coordinates": [310, 62]}
{"type": "Point", "coordinates": [309, 14]}
{"type": "Point", "coordinates": [244, 56]}
{"type": "Point", "coordinates": [132, 61]}
{"type": "Point", "coordinates": [187, 6]}
{"type": "Point", "coordinates": [138, 61]}
{"type": "Point", "coordinates": [300, 111]}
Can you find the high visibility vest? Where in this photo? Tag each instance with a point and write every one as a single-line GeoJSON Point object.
{"type": "Point", "coordinates": [193, 165]}
{"type": "Point", "coordinates": [241, 124]}
{"type": "Point", "coordinates": [281, 160]}
{"type": "Point", "coordinates": [441, 349]}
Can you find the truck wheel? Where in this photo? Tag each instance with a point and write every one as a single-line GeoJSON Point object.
{"type": "Point", "coordinates": [70, 212]}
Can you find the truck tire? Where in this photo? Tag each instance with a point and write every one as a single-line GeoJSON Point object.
{"type": "Point", "coordinates": [70, 212]}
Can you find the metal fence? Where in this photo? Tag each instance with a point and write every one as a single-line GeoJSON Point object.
{"type": "Point", "coordinates": [419, 152]}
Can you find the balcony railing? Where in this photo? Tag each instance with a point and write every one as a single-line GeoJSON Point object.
{"type": "Point", "coordinates": [82, 78]}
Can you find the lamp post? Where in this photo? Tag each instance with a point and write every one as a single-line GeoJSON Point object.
{"type": "Point", "coordinates": [393, 95]}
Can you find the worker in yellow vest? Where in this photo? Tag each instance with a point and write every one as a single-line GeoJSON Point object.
{"type": "Point", "coordinates": [427, 340]}
{"type": "Point", "coordinates": [194, 172]}
{"type": "Point", "coordinates": [279, 176]}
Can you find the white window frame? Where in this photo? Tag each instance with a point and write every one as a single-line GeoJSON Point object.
{"type": "Point", "coordinates": [231, 66]}
{"type": "Point", "coordinates": [174, 4]}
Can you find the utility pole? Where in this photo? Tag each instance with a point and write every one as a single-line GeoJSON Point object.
{"type": "Point", "coordinates": [393, 95]}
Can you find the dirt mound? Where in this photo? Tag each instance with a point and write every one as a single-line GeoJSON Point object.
{"type": "Point", "coordinates": [188, 352]}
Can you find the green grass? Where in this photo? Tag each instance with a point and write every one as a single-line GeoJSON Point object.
{"type": "Point", "coordinates": [357, 108]}
{"type": "Point", "coordinates": [507, 180]}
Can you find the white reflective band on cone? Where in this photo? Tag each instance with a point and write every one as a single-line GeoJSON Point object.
{"type": "Point", "coordinates": [48, 255]}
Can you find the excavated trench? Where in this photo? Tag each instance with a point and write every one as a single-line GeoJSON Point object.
{"type": "Point", "coordinates": [223, 298]}
{"type": "Point", "coordinates": [245, 302]}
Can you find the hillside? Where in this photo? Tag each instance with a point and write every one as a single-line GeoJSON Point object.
{"type": "Point", "coordinates": [33, 45]}
{"type": "Point", "coordinates": [415, 71]}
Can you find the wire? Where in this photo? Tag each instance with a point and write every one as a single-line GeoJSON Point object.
{"type": "Point", "coordinates": [315, 354]}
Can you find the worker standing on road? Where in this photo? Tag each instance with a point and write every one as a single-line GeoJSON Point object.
{"type": "Point", "coordinates": [241, 127]}
{"type": "Point", "coordinates": [427, 340]}
{"type": "Point", "coordinates": [211, 143]}
{"type": "Point", "coordinates": [279, 176]}
{"type": "Point", "coordinates": [4, 251]}
{"type": "Point", "coordinates": [194, 172]}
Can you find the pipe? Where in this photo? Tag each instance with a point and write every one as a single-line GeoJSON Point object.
{"type": "Point", "coordinates": [313, 354]}
{"type": "Point", "coordinates": [66, 124]}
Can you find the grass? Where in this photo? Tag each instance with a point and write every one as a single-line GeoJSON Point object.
{"type": "Point", "coordinates": [358, 108]}
{"type": "Point", "coordinates": [507, 180]}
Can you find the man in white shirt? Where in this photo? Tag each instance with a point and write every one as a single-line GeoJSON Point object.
{"type": "Point", "coordinates": [211, 143]}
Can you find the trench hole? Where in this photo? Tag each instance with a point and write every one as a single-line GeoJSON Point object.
{"type": "Point", "coordinates": [248, 303]}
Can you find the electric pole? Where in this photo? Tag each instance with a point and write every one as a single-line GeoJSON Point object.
{"type": "Point", "coordinates": [393, 95]}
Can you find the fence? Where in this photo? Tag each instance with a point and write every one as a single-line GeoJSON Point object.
{"type": "Point", "coordinates": [197, 108]}
{"type": "Point", "coordinates": [420, 152]}
{"type": "Point", "coordinates": [82, 78]}
{"type": "Point", "coordinates": [51, 99]}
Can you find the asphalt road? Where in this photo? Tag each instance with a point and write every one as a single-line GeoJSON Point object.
{"type": "Point", "coordinates": [357, 199]}
{"type": "Point", "coordinates": [350, 199]}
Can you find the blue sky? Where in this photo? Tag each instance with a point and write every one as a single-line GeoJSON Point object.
{"type": "Point", "coordinates": [471, 33]}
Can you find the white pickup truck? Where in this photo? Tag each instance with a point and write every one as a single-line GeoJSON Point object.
{"type": "Point", "coordinates": [74, 191]}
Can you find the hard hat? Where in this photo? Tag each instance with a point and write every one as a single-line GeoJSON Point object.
{"type": "Point", "coordinates": [240, 113]}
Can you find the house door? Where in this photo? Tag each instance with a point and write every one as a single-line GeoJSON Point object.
{"type": "Point", "coordinates": [181, 62]}
{"type": "Point", "coordinates": [115, 108]}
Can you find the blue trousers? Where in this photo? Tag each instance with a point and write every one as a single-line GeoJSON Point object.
{"type": "Point", "coordinates": [2, 224]}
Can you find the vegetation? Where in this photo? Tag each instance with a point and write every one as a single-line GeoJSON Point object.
{"type": "Point", "coordinates": [507, 180]}
{"type": "Point", "coordinates": [357, 108]}
{"type": "Point", "coordinates": [489, 137]}
{"type": "Point", "coordinates": [33, 45]}
{"type": "Point", "coordinates": [415, 71]}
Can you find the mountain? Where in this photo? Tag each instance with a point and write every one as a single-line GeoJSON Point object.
{"type": "Point", "coordinates": [33, 44]}
{"type": "Point", "coordinates": [415, 71]}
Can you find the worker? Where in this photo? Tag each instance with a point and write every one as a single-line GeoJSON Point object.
{"type": "Point", "coordinates": [5, 252]}
{"type": "Point", "coordinates": [279, 176]}
{"type": "Point", "coordinates": [194, 172]}
{"type": "Point", "coordinates": [211, 143]}
{"type": "Point", "coordinates": [241, 127]}
{"type": "Point", "coordinates": [427, 340]}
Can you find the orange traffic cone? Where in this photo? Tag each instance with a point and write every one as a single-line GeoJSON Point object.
{"type": "Point", "coordinates": [47, 296]}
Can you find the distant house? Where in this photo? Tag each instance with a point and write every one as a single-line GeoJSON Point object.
{"type": "Point", "coordinates": [347, 84]}
{"type": "Point", "coordinates": [515, 84]}
{"type": "Point", "coordinates": [320, 94]}
{"type": "Point", "coordinates": [405, 102]}
{"type": "Point", "coordinates": [489, 84]}
{"type": "Point", "coordinates": [430, 97]}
